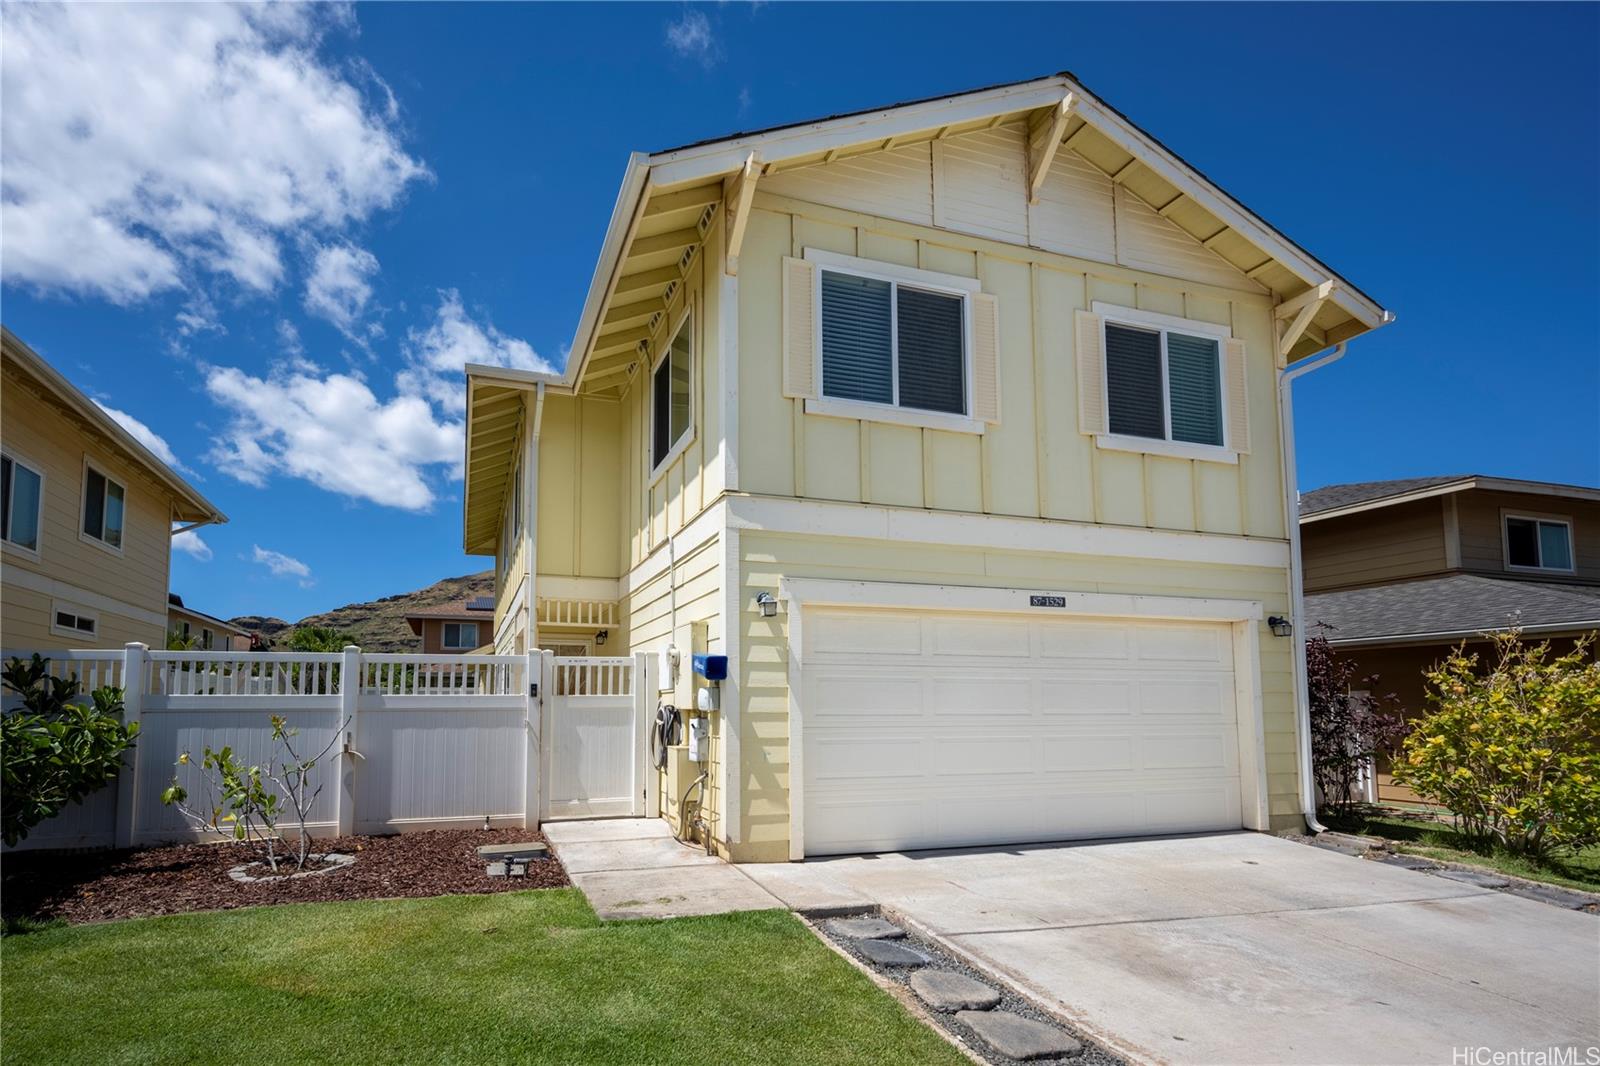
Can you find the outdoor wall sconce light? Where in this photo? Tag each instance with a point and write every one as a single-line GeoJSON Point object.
{"type": "Point", "coordinates": [767, 605]}
{"type": "Point", "coordinates": [1281, 626]}
{"type": "Point", "coordinates": [600, 637]}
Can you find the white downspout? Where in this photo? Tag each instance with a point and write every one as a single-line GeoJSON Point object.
{"type": "Point", "coordinates": [1297, 605]}
{"type": "Point", "coordinates": [530, 507]}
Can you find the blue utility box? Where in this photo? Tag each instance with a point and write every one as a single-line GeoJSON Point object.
{"type": "Point", "coordinates": [711, 667]}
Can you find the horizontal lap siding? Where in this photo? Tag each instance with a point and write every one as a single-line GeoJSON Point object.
{"type": "Point", "coordinates": [1035, 462]}
{"type": "Point", "coordinates": [43, 437]}
{"type": "Point", "coordinates": [1374, 546]}
{"type": "Point", "coordinates": [1480, 521]}
{"type": "Point", "coordinates": [764, 719]}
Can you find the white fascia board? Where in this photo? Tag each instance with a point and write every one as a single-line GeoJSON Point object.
{"type": "Point", "coordinates": [703, 162]}
{"type": "Point", "coordinates": [636, 180]}
{"type": "Point", "coordinates": [1137, 143]}
{"type": "Point", "coordinates": [506, 375]}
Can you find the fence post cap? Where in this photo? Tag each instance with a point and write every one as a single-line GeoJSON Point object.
{"type": "Point", "coordinates": [140, 645]}
{"type": "Point", "coordinates": [348, 648]}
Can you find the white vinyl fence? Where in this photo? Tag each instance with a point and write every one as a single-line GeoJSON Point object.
{"type": "Point", "coordinates": [419, 741]}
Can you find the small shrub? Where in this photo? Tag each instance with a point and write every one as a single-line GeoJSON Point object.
{"type": "Point", "coordinates": [1348, 730]}
{"type": "Point", "coordinates": [1513, 752]}
{"type": "Point", "coordinates": [55, 750]}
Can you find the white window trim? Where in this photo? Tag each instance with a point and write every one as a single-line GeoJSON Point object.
{"type": "Point", "coordinates": [58, 606]}
{"type": "Point", "coordinates": [681, 445]}
{"type": "Point", "coordinates": [444, 640]}
{"type": "Point", "coordinates": [83, 503]}
{"type": "Point", "coordinates": [1552, 519]}
{"type": "Point", "coordinates": [929, 280]}
{"type": "Point", "coordinates": [38, 533]}
{"type": "Point", "coordinates": [1176, 449]}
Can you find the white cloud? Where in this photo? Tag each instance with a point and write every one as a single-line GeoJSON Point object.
{"type": "Point", "coordinates": [691, 37]}
{"type": "Point", "coordinates": [281, 565]}
{"type": "Point", "coordinates": [147, 145]}
{"type": "Point", "coordinates": [438, 354]}
{"type": "Point", "coordinates": [340, 285]}
{"type": "Point", "coordinates": [332, 431]}
{"type": "Point", "coordinates": [189, 543]}
{"type": "Point", "coordinates": [143, 434]}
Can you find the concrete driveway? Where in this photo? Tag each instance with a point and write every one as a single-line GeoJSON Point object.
{"type": "Point", "coordinates": [1242, 948]}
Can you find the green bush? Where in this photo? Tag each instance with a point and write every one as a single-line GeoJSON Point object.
{"type": "Point", "coordinates": [1513, 751]}
{"type": "Point", "coordinates": [55, 750]}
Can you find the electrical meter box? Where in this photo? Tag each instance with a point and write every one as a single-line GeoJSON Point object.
{"type": "Point", "coordinates": [699, 739]}
{"type": "Point", "coordinates": [711, 667]}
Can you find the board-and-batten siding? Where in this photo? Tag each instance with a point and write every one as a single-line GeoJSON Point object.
{"type": "Point", "coordinates": [1035, 462]}
{"type": "Point", "coordinates": [1372, 547]}
{"type": "Point", "coordinates": [976, 183]}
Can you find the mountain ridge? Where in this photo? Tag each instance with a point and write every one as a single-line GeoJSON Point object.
{"type": "Point", "coordinates": [377, 625]}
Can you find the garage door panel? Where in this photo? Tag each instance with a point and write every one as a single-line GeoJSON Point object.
{"type": "Point", "coordinates": [984, 637]}
{"type": "Point", "coordinates": [1093, 642]}
{"type": "Point", "coordinates": [1184, 644]}
{"type": "Point", "coordinates": [860, 634]}
{"type": "Point", "coordinates": [996, 730]}
{"type": "Point", "coordinates": [1190, 698]}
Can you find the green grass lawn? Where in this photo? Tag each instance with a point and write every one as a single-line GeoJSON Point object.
{"type": "Point", "coordinates": [524, 977]}
{"type": "Point", "coordinates": [1436, 840]}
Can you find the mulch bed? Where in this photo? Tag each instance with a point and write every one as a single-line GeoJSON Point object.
{"type": "Point", "coordinates": [107, 885]}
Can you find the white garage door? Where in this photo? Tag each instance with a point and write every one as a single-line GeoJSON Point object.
{"type": "Point", "coordinates": [926, 730]}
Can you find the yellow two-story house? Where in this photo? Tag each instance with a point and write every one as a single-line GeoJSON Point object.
{"type": "Point", "coordinates": [87, 518]}
{"type": "Point", "coordinates": [957, 427]}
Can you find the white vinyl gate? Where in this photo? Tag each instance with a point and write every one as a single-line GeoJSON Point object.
{"type": "Point", "coordinates": [595, 720]}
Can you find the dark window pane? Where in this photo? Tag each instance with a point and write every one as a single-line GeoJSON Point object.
{"type": "Point", "coordinates": [661, 418]}
{"type": "Point", "coordinates": [94, 504]}
{"type": "Point", "coordinates": [5, 498]}
{"type": "Point", "coordinates": [1522, 542]}
{"type": "Point", "coordinates": [856, 338]}
{"type": "Point", "coordinates": [65, 620]}
{"type": "Point", "coordinates": [1195, 383]}
{"type": "Point", "coordinates": [22, 511]}
{"type": "Point", "coordinates": [1133, 382]}
{"type": "Point", "coordinates": [85, 625]}
{"type": "Point", "coordinates": [932, 377]}
{"type": "Point", "coordinates": [680, 358]}
{"type": "Point", "coordinates": [114, 502]}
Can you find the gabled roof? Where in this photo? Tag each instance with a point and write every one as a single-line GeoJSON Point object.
{"type": "Point", "coordinates": [1451, 607]}
{"type": "Point", "coordinates": [667, 200]}
{"type": "Point", "coordinates": [175, 603]}
{"type": "Point", "coordinates": [188, 504]}
{"type": "Point", "coordinates": [1334, 500]}
{"type": "Point", "coordinates": [466, 610]}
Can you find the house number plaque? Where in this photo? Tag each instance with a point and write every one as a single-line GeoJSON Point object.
{"type": "Point", "coordinates": [1047, 601]}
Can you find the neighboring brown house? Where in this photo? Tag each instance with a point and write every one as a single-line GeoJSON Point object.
{"type": "Point", "coordinates": [455, 627]}
{"type": "Point", "coordinates": [1400, 572]}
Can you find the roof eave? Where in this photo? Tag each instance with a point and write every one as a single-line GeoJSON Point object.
{"type": "Point", "coordinates": [1492, 484]}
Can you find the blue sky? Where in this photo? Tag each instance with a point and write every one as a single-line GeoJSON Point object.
{"type": "Point", "coordinates": [274, 253]}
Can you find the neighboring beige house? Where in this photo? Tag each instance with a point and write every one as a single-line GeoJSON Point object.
{"type": "Point", "coordinates": [955, 426]}
{"type": "Point", "coordinates": [208, 632]}
{"type": "Point", "coordinates": [455, 627]}
{"type": "Point", "coordinates": [87, 518]}
{"type": "Point", "coordinates": [1397, 573]}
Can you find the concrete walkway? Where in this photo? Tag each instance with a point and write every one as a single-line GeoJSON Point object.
{"type": "Point", "coordinates": [633, 868]}
{"type": "Point", "coordinates": [1241, 948]}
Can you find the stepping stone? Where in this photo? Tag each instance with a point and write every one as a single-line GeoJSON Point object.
{"type": "Point", "coordinates": [866, 929]}
{"type": "Point", "coordinates": [1476, 877]}
{"type": "Point", "coordinates": [946, 991]}
{"type": "Point", "coordinates": [519, 870]}
{"type": "Point", "coordinates": [495, 869]}
{"type": "Point", "coordinates": [1016, 1037]}
{"type": "Point", "coordinates": [513, 852]}
{"type": "Point", "coordinates": [885, 953]}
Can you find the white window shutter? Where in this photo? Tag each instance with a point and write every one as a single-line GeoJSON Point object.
{"type": "Point", "coordinates": [985, 357]}
{"type": "Point", "coordinates": [1091, 373]}
{"type": "Point", "coordinates": [800, 359]}
{"type": "Point", "coordinates": [1238, 396]}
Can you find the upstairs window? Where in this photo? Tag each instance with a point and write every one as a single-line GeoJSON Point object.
{"type": "Point", "coordinates": [73, 621]}
{"type": "Point", "coordinates": [459, 635]}
{"type": "Point", "coordinates": [1163, 384]}
{"type": "Point", "coordinates": [103, 504]}
{"type": "Point", "coordinates": [21, 489]}
{"type": "Point", "coordinates": [1538, 543]}
{"type": "Point", "coordinates": [670, 410]}
{"type": "Point", "coordinates": [893, 342]}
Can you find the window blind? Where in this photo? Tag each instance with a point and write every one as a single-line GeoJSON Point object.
{"type": "Point", "coordinates": [1134, 395]}
{"type": "Point", "coordinates": [856, 338]}
{"type": "Point", "coordinates": [930, 334]}
{"type": "Point", "coordinates": [1195, 383]}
